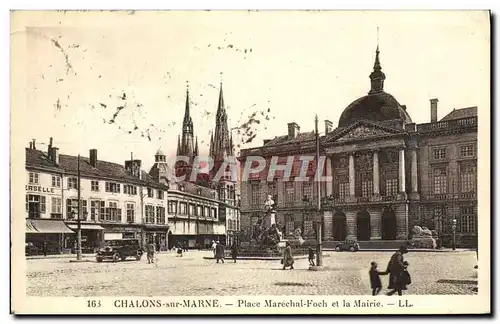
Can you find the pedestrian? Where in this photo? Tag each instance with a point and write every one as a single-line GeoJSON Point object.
{"type": "Point", "coordinates": [375, 282]}
{"type": "Point", "coordinates": [179, 250]}
{"type": "Point", "coordinates": [150, 252]}
{"type": "Point", "coordinates": [214, 245]}
{"type": "Point", "coordinates": [219, 252]}
{"type": "Point", "coordinates": [44, 248]}
{"type": "Point", "coordinates": [234, 251]}
{"type": "Point", "coordinates": [311, 256]}
{"type": "Point", "coordinates": [395, 269]}
{"type": "Point", "coordinates": [185, 246]}
{"type": "Point", "coordinates": [405, 278]}
{"type": "Point", "coordinates": [287, 260]}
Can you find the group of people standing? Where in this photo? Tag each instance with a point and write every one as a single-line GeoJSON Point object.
{"type": "Point", "coordinates": [218, 250]}
{"type": "Point", "coordinates": [397, 269]}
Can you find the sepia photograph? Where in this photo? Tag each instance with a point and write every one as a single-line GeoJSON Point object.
{"type": "Point", "coordinates": [234, 162]}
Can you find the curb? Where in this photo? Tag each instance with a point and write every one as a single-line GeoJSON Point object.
{"type": "Point", "coordinates": [260, 258]}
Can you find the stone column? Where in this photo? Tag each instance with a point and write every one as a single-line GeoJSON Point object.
{"type": "Point", "coordinates": [352, 192]}
{"type": "Point", "coordinates": [414, 169]}
{"type": "Point", "coordinates": [351, 223]}
{"type": "Point", "coordinates": [376, 176]}
{"type": "Point", "coordinates": [402, 182]}
{"type": "Point", "coordinates": [329, 173]}
{"type": "Point", "coordinates": [401, 221]}
{"type": "Point", "coordinates": [375, 224]}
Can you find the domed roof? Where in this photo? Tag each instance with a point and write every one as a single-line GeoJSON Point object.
{"type": "Point", "coordinates": [378, 106]}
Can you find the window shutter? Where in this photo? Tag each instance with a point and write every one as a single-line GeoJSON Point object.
{"type": "Point", "coordinates": [119, 214]}
{"type": "Point", "coordinates": [42, 204]}
{"type": "Point", "coordinates": [118, 188]}
{"type": "Point", "coordinates": [27, 204]}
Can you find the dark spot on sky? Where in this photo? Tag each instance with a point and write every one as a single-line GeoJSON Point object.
{"type": "Point", "coordinates": [230, 46]}
{"type": "Point", "coordinates": [102, 105]}
{"type": "Point", "coordinates": [124, 96]}
{"type": "Point", "coordinates": [100, 76]}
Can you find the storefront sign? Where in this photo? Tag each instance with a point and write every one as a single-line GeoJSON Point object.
{"type": "Point", "coordinates": [39, 189]}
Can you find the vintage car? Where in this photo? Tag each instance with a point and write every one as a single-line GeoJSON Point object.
{"type": "Point", "coordinates": [117, 250]}
{"type": "Point", "coordinates": [350, 244]}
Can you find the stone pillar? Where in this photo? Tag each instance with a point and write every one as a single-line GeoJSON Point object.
{"type": "Point", "coordinates": [352, 182]}
{"type": "Point", "coordinates": [376, 175]}
{"type": "Point", "coordinates": [375, 224]}
{"type": "Point", "coordinates": [402, 182]}
{"type": "Point", "coordinates": [401, 221]}
{"type": "Point", "coordinates": [328, 225]}
{"type": "Point", "coordinates": [329, 173]}
{"type": "Point", "coordinates": [351, 223]}
{"type": "Point", "coordinates": [414, 170]}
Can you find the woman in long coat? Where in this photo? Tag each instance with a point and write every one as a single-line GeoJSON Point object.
{"type": "Point", "coordinates": [234, 251]}
{"type": "Point", "coordinates": [219, 252]}
{"type": "Point", "coordinates": [287, 257]}
{"type": "Point", "coordinates": [395, 269]}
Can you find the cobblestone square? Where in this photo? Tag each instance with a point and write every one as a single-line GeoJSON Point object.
{"type": "Point", "coordinates": [192, 275]}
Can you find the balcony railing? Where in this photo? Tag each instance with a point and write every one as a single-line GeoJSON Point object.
{"type": "Point", "coordinates": [448, 125]}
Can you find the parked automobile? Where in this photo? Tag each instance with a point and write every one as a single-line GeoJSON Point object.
{"type": "Point", "coordinates": [350, 244]}
{"type": "Point", "coordinates": [117, 250]}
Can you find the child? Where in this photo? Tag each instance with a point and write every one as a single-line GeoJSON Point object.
{"type": "Point", "coordinates": [311, 257]}
{"type": "Point", "coordinates": [150, 250]}
{"type": "Point", "coordinates": [406, 278]}
{"type": "Point", "coordinates": [375, 282]}
{"type": "Point", "coordinates": [179, 250]}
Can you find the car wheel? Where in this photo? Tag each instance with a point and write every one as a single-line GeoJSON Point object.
{"type": "Point", "coordinates": [352, 249]}
{"type": "Point", "coordinates": [116, 257]}
{"type": "Point", "coordinates": [98, 259]}
{"type": "Point", "coordinates": [337, 249]}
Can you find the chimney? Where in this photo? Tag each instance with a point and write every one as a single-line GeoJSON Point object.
{"type": "Point", "coordinates": [328, 126]}
{"type": "Point", "coordinates": [31, 145]}
{"type": "Point", "coordinates": [293, 130]}
{"type": "Point", "coordinates": [50, 147]}
{"type": "Point", "coordinates": [434, 110]}
{"type": "Point", "coordinates": [34, 144]}
{"type": "Point", "coordinates": [404, 107]}
{"type": "Point", "coordinates": [54, 155]}
{"type": "Point", "coordinates": [93, 158]}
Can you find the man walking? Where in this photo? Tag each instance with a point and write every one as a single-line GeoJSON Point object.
{"type": "Point", "coordinates": [396, 269]}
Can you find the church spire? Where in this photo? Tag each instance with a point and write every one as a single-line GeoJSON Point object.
{"type": "Point", "coordinates": [178, 145]}
{"type": "Point", "coordinates": [377, 77]}
{"type": "Point", "coordinates": [188, 121]}
{"type": "Point", "coordinates": [196, 147]}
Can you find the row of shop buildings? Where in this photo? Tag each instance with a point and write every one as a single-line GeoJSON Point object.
{"type": "Point", "coordinates": [117, 202]}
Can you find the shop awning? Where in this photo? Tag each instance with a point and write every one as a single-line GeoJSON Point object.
{"type": "Point", "coordinates": [29, 227]}
{"type": "Point", "coordinates": [50, 226]}
{"type": "Point", "coordinates": [86, 227]}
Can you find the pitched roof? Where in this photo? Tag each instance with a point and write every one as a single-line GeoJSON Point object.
{"type": "Point", "coordinates": [461, 113]}
{"type": "Point", "coordinates": [37, 158]}
{"type": "Point", "coordinates": [284, 139]}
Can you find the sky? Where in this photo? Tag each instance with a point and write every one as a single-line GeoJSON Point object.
{"type": "Point", "coordinates": [116, 81]}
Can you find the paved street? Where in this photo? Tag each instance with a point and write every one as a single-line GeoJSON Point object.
{"type": "Point", "coordinates": [193, 275]}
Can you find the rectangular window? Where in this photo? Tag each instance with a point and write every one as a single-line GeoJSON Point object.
{"type": "Point", "coordinates": [130, 212]}
{"type": "Point", "coordinates": [150, 214]}
{"type": "Point", "coordinates": [272, 188]}
{"type": "Point", "coordinates": [112, 213]}
{"type": "Point", "coordinates": [207, 212]}
{"type": "Point", "coordinates": [366, 184]}
{"type": "Point", "coordinates": [192, 209]}
{"type": "Point", "coordinates": [255, 189]}
{"type": "Point", "coordinates": [467, 150]}
{"type": "Point", "coordinates": [34, 205]}
{"type": "Point", "coordinates": [102, 212]}
{"type": "Point", "coordinates": [95, 206]}
{"type": "Point", "coordinates": [214, 213]}
{"type": "Point", "coordinates": [150, 193]}
{"type": "Point", "coordinates": [468, 178]}
{"type": "Point", "coordinates": [440, 181]}
{"type": "Point", "coordinates": [113, 187]}
{"type": "Point", "coordinates": [172, 207]}
{"type": "Point", "coordinates": [343, 189]}
{"type": "Point", "coordinates": [56, 209]}
{"type": "Point", "coordinates": [160, 215]}
{"type": "Point", "coordinates": [72, 183]}
{"type": "Point", "coordinates": [439, 154]}
{"type": "Point", "coordinates": [289, 191]}
{"type": "Point", "coordinates": [391, 187]}
{"type": "Point", "coordinates": [129, 190]}
{"type": "Point", "coordinates": [467, 219]}
{"type": "Point", "coordinates": [160, 194]}
{"type": "Point", "coordinates": [34, 178]}
{"type": "Point", "coordinates": [72, 209]}
{"type": "Point", "coordinates": [196, 210]}
{"type": "Point", "coordinates": [94, 185]}
{"type": "Point", "coordinates": [307, 190]}
{"type": "Point", "coordinates": [56, 181]}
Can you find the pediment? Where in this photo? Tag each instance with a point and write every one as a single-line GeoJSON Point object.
{"type": "Point", "coordinates": [363, 130]}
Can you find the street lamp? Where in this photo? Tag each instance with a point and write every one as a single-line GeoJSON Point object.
{"type": "Point", "coordinates": [454, 228]}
